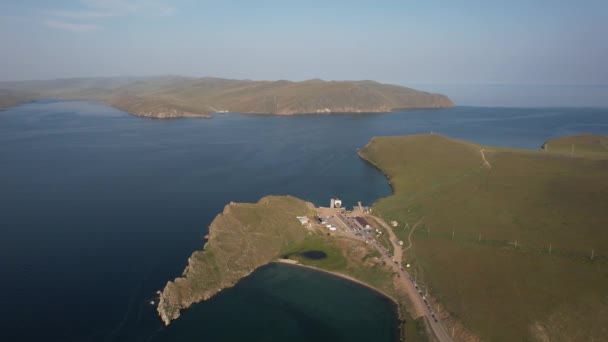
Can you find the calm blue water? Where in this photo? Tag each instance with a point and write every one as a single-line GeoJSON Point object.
{"type": "Point", "coordinates": [98, 209]}
{"type": "Point", "coordinates": [522, 95]}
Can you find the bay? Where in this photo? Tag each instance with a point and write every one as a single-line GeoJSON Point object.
{"type": "Point", "coordinates": [98, 209]}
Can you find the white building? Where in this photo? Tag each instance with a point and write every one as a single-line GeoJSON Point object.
{"type": "Point", "coordinates": [303, 220]}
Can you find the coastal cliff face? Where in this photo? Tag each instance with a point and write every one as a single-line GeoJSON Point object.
{"type": "Point", "coordinates": [172, 97]}
{"type": "Point", "coordinates": [241, 239]}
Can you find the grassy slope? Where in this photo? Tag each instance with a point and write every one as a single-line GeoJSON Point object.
{"type": "Point", "coordinates": [244, 237]}
{"type": "Point", "coordinates": [359, 261]}
{"type": "Point", "coordinates": [205, 95]}
{"type": "Point", "coordinates": [586, 145]}
{"type": "Point", "coordinates": [501, 292]}
{"type": "Point", "coordinates": [348, 257]}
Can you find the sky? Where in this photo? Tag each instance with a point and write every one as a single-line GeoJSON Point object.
{"type": "Point", "coordinates": [404, 42]}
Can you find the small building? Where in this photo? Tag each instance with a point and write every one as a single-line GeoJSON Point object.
{"type": "Point", "coordinates": [335, 203]}
{"type": "Point", "coordinates": [333, 229]}
{"type": "Point", "coordinates": [303, 220]}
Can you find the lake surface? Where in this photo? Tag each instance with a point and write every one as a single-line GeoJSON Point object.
{"type": "Point", "coordinates": [98, 209]}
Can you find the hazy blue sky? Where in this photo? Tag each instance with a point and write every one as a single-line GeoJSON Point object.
{"type": "Point", "coordinates": [555, 42]}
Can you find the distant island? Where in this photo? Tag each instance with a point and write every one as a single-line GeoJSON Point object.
{"type": "Point", "coordinates": [172, 97]}
{"type": "Point", "coordinates": [476, 242]}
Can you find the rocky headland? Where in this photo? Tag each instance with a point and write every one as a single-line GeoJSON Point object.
{"type": "Point", "coordinates": [242, 238]}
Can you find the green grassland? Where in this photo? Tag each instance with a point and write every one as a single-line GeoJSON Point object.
{"type": "Point", "coordinates": [361, 262]}
{"type": "Point", "coordinates": [586, 145]}
{"type": "Point", "coordinates": [172, 96]}
{"type": "Point", "coordinates": [345, 256]}
{"type": "Point", "coordinates": [248, 235]}
{"type": "Point", "coordinates": [506, 247]}
{"type": "Point", "coordinates": [244, 237]}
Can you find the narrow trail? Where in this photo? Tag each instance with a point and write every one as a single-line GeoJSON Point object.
{"type": "Point", "coordinates": [409, 236]}
{"type": "Point", "coordinates": [485, 161]}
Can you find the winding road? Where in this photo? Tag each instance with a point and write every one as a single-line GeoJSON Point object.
{"type": "Point", "coordinates": [485, 161]}
{"type": "Point", "coordinates": [421, 306]}
{"type": "Point", "coordinates": [409, 236]}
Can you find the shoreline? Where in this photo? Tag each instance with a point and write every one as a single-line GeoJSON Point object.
{"type": "Point", "coordinates": [336, 274]}
{"type": "Point", "coordinates": [388, 178]}
{"type": "Point", "coordinates": [204, 115]}
{"type": "Point", "coordinates": [401, 317]}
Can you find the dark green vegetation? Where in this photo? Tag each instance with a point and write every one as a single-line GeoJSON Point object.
{"type": "Point", "coordinates": [347, 257]}
{"type": "Point", "coordinates": [244, 237]}
{"type": "Point", "coordinates": [180, 96]}
{"type": "Point", "coordinates": [515, 248]}
{"type": "Point", "coordinates": [360, 262]}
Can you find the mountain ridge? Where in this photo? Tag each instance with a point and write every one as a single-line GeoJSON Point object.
{"type": "Point", "coordinates": [177, 96]}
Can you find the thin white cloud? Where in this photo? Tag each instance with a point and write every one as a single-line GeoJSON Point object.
{"type": "Point", "coordinates": [79, 15]}
{"type": "Point", "coordinates": [71, 26]}
{"type": "Point", "coordinates": [94, 11]}
{"type": "Point", "coordinates": [114, 8]}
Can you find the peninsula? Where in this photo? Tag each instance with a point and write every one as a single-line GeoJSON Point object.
{"type": "Point", "coordinates": [503, 273]}
{"type": "Point", "coordinates": [171, 96]}
{"type": "Point", "coordinates": [513, 241]}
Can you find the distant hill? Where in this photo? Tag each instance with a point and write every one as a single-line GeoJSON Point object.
{"type": "Point", "coordinates": [172, 96]}
{"type": "Point", "coordinates": [9, 98]}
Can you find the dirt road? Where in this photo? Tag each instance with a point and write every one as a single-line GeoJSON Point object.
{"type": "Point", "coordinates": [409, 236]}
{"type": "Point", "coordinates": [413, 291]}
{"type": "Point", "coordinates": [485, 161]}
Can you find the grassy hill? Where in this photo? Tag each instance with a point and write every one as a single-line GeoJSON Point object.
{"type": "Point", "coordinates": [198, 96]}
{"type": "Point", "coordinates": [244, 237]}
{"type": "Point", "coordinates": [10, 98]}
{"type": "Point", "coordinates": [248, 235]}
{"type": "Point", "coordinates": [586, 145]}
{"type": "Point", "coordinates": [515, 248]}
